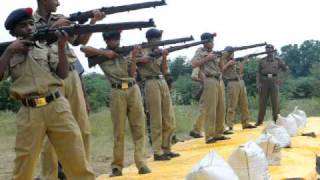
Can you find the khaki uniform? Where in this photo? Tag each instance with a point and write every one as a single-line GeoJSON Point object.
{"type": "Point", "coordinates": [33, 77]}
{"type": "Point", "coordinates": [73, 91]}
{"type": "Point", "coordinates": [159, 105]}
{"type": "Point", "coordinates": [212, 99]}
{"type": "Point", "coordinates": [268, 70]}
{"type": "Point", "coordinates": [236, 96]}
{"type": "Point", "coordinates": [125, 103]}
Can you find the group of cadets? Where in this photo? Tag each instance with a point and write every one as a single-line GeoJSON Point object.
{"type": "Point", "coordinates": [53, 119]}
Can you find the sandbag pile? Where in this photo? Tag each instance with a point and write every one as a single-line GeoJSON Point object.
{"type": "Point", "coordinates": [279, 133]}
{"type": "Point", "coordinates": [212, 167]}
{"type": "Point", "coordinates": [249, 162]}
{"type": "Point", "coordinates": [271, 148]}
{"type": "Point", "coordinates": [289, 123]}
{"type": "Point", "coordinates": [300, 117]}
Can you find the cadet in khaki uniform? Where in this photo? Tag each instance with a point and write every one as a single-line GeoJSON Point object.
{"type": "Point", "coordinates": [72, 88]}
{"type": "Point", "coordinates": [125, 101]}
{"type": "Point", "coordinates": [236, 90]}
{"type": "Point", "coordinates": [158, 99]}
{"type": "Point", "coordinates": [268, 83]}
{"type": "Point", "coordinates": [212, 105]}
{"type": "Point", "coordinates": [45, 112]}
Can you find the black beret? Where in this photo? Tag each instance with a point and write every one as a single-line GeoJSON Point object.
{"type": "Point", "coordinates": [17, 16]}
{"type": "Point", "coordinates": [229, 49]}
{"type": "Point", "coordinates": [270, 46]}
{"type": "Point", "coordinates": [206, 35]}
{"type": "Point", "coordinates": [153, 33]}
{"type": "Point", "coordinates": [111, 35]}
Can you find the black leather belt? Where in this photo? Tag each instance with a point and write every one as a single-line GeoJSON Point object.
{"type": "Point", "coordinates": [155, 77]}
{"type": "Point", "coordinates": [40, 101]}
{"type": "Point", "coordinates": [235, 79]}
{"type": "Point", "coordinates": [123, 85]}
{"type": "Point", "coordinates": [269, 75]}
{"type": "Point", "coordinates": [213, 76]}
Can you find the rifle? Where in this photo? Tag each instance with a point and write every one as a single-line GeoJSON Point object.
{"type": "Point", "coordinates": [48, 34]}
{"type": "Point", "coordinates": [83, 17]}
{"type": "Point", "coordinates": [233, 49]}
{"type": "Point", "coordinates": [125, 50]}
{"type": "Point", "coordinates": [158, 53]}
{"type": "Point", "coordinates": [253, 55]}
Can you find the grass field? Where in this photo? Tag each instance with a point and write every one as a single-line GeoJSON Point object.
{"type": "Point", "coordinates": [102, 140]}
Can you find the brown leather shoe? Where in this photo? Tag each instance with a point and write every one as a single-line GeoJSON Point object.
{"type": "Point", "coordinates": [172, 154]}
{"type": "Point", "coordinates": [195, 135]}
{"type": "Point", "coordinates": [210, 140]}
{"type": "Point", "coordinates": [115, 172]}
{"type": "Point", "coordinates": [162, 157]}
{"type": "Point", "coordinates": [144, 170]}
{"type": "Point", "coordinates": [221, 138]}
{"type": "Point", "coordinates": [249, 126]}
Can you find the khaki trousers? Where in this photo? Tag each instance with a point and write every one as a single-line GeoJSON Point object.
{"type": "Point", "coordinates": [212, 109]}
{"type": "Point", "coordinates": [237, 98]}
{"type": "Point", "coordinates": [72, 90]}
{"type": "Point", "coordinates": [159, 105]}
{"type": "Point", "coordinates": [128, 104]}
{"type": "Point", "coordinates": [56, 122]}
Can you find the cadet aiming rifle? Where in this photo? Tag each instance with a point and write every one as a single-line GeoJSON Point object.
{"type": "Point", "coordinates": [125, 50]}
{"type": "Point", "coordinates": [158, 53]}
{"type": "Point", "coordinates": [48, 34]}
{"type": "Point", "coordinates": [253, 55]}
{"type": "Point", "coordinates": [83, 17]}
{"type": "Point", "coordinates": [233, 49]}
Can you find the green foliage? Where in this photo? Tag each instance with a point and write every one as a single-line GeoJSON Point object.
{"type": "Point", "coordinates": [300, 58]}
{"type": "Point", "coordinates": [179, 67]}
{"type": "Point", "coordinates": [184, 90]}
{"type": "Point", "coordinates": [97, 90]}
{"type": "Point", "coordinates": [249, 77]}
{"type": "Point", "coordinates": [7, 103]}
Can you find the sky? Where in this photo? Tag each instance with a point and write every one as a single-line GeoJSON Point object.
{"type": "Point", "coordinates": [237, 22]}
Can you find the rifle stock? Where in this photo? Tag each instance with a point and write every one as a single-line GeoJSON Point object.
{"type": "Point", "coordinates": [233, 49]}
{"type": "Point", "coordinates": [158, 54]}
{"type": "Point", "coordinates": [83, 17]}
{"type": "Point", "coordinates": [253, 55]}
{"type": "Point", "coordinates": [125, 50]}
{"type": "Point", "coordinates": [48, 34]}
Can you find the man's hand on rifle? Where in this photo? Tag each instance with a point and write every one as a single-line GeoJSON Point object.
{"type": "Point", "coordinates": [211, 57]}
{"type": "Point", "coordinates": [19, 46]}
{"type": "Point", "coordinates": [98, 16]}
{"type": "Point", "coordinates": [62, 37]}
{"type": "Point", "coordinates": [135, 52]}
{"type": "Point", "coordinates": [61, 23]}
{"type": "Point", "coordinates": [165, 53]}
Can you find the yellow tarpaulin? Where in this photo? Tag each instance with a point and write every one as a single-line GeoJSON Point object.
{"type": "Point", "coordinates": [297, 161]}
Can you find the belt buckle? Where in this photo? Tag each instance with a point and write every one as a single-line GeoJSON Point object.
{"type": "Point", "coordinates": [40, 102]}
{"type": "Point", "coordinates": [270, 75]}
{"type": "Point", "coordinates": [160, 76]}
{"type": "Point", "coordinates": [124, 85]}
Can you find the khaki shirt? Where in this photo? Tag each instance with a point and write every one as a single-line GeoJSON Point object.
{"type": "Point", "coordinates": [40, 21]}
{"type": "Point", "coordinates": [232, 72]}
{"type": "Point", "coordinates": [153, 68]}
{"type": "Point", "coordinates": [271, 66]}
{"type": "Point", "coordinates": [210, 68]}
{"type": "Point", "coordinates": [116, 70]}
{"type": "Point", "coordinates": [32, 74]}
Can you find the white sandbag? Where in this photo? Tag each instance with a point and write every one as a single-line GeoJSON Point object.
{"type": "Point", "coordinates": [279, 133]}
{"type": "Point", "coordinates": [212, 167]}
{"type": "Point", "coordinates": [300, 117]}
{"type": "Point", "coordinates": [249, 162]}
{"type": "Point", "coordinates": [289, 123]}
{"type": "Point", "coordinates": [271, 148]}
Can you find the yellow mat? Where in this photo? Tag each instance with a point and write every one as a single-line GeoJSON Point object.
{"type": "Point", "coordinates": [297, 162]}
